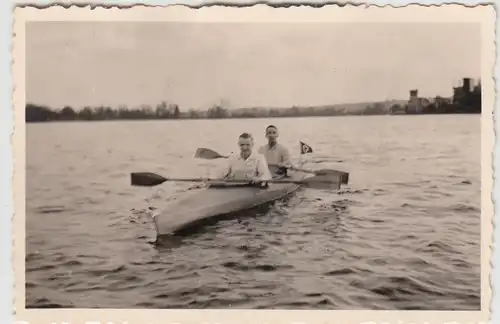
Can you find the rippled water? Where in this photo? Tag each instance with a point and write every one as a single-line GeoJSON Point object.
{"type": "Point", "coordinates": [404, 234]}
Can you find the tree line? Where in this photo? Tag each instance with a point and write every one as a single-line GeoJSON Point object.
{"type": "Point", "coordinates": [164, 110]}
{"type": "Point", "coordinates": [40, 113]}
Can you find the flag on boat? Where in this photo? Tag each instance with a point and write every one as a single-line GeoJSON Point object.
{"type": "Point", "coordinates": [304, 148]}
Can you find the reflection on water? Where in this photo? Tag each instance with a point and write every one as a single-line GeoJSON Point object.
{"type": "Point", "coordinates": [403, 235]}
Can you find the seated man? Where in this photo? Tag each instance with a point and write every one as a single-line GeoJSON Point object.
{"type": "Point", "coordinates": [276, 155]}
{"type": "Point", "coordinates": [247, 166]}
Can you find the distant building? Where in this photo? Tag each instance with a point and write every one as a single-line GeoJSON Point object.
{"type": "Point", "coordinates": [415, 104]}
{"type": "Point", "coordinates": [466, 99]}
{"type": "Point", "coordinates": [397, 109]}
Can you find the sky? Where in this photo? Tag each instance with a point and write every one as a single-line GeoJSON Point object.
{"type": "Point", "coordinates": [197, 65]}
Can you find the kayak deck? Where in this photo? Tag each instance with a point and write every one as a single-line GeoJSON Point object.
{"type": "Point", "coordinates": [213, 202]}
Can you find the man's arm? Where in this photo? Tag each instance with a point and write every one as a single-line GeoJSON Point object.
{"type": "Point", "coordinates": [263, 172]}
{"type": "Point", "coordinates": [285, 158]}
{"type": "Point", "coordinates": [226, 171]}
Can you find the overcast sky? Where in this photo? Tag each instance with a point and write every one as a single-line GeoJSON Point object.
{"type": "Point", "coordinates": [197, 65]}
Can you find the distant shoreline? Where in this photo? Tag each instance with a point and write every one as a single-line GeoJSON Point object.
{"type": "Point", "coordinates": [163, 111]}
{"type": "Point", "coordinates": [239, 118]}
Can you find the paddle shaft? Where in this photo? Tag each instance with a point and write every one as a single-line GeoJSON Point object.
{"type": "Point", "coordinates": [307, 170]}
{"type": "Point", "coordinates": [150, 179]}
{"type": "Point", "coordinates": [233, 181]}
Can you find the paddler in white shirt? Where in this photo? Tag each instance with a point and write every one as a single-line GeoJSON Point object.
{"type": "Point", "coordinates": [275, 153]}
{"type": "Point", "coordinates": [248, 165]}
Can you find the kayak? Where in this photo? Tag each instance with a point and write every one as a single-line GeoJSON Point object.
{"type": "Point", "coordinates": [215, 201]}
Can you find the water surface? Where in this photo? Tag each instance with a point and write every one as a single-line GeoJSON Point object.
{"type": "Point", "coordinates": [404, 234]}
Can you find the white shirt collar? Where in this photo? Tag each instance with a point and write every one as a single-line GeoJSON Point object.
{"type": "Point", "coordinates": [238, 156]}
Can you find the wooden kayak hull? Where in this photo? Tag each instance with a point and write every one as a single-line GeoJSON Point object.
{"type": "Point", "coordinates": [211, 203]}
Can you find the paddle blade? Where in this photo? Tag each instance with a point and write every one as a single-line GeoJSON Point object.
{"type": "Point", "coordinates": [331, 182]}
{"type": "Point", "coordinates": [208, 154]}
{"type": "Point", "coordinates": [344, 176]}
{"type": "Point", "coordinates": [146, 179]}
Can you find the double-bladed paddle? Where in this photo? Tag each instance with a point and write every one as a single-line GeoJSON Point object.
{"type": "Point", "coordinates": [209, 154]}
{"type": "Point", "coordinates": [149, 179]}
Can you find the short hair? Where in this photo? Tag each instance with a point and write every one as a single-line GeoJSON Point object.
{"type": "Point", "coordinates": [271, 126]}
{"type": "Point", "coordinates": [247, 136]}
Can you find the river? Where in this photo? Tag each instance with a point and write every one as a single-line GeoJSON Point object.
{"type": "Point", "coordinates": [404, 234]}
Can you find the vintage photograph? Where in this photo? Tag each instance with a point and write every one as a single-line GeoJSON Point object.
{"type": "Point", "coordinates": [314, 165]}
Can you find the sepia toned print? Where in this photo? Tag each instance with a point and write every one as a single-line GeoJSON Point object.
{"type": "Point", "coordinates": [335, 161]}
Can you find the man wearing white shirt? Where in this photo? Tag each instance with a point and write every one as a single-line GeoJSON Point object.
{"type": "Point", "coordinates": [248, 165]}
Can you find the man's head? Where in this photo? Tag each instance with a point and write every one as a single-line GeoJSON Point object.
{"type": "Point", "coordinates": [245, 142]}
{"type": "Point", "coordinates": [271, 133]}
